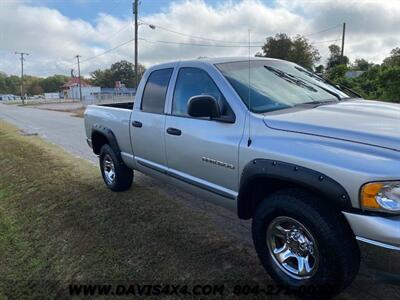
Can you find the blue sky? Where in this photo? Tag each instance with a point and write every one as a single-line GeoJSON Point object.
{"type": "Point", "coordinates": [55, 31]}
{"type": "Point", "coordinates": [88, 10]}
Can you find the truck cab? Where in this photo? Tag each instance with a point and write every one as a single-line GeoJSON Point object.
{"type": "Point", "coordinates": [314, 166]}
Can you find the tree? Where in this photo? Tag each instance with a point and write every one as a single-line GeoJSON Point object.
{"type": "Point", "coordinates": [319, 69]}
{"type": "Point", "coordinates": [120, 71]}
{"type": "Point", "coordinates": [277, 47]}
{"type": "Point", "coordinates": [35, 88]}
{"type": "Point", "coordinates": [335, 57]}
{"type": "Point", "coordinates": [389, 80]}
{"type": "Point", "coordinates": [337, 73]}
{"type": "Point", "coordinates": [394, 58]}
{"type": "Point", "coordinates": [362, 64]}
{"type": "Point", "coordinates": [297, 50]}
{"type": "Point", "coordinates": [53, 83]}
{"type": "Point", "coordinates": [102, 78]}
{"type": "Point", "coordinates": [303, 53]}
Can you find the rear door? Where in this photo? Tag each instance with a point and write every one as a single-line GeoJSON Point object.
{"type": "Point", "coordinates": [148, 121]}
{"type": "Point", "coordinates": [201, 151]}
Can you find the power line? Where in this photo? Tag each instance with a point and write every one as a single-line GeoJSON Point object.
{"type": "Point", "coordinates": [200, 45]}
{"type": "Point", "coordinates": [229, 42]}
{"type": "Point", "coordinates": [327, 41]}
{"type": "Point", "coordinates": [237, 44]}
{"type": "Point", "coordinates": [105, 52]}
{"type": "Point", "coordinates": [322, 31]}
{"type": "Point", "coordinates": [189, 35]}
{"type": "Point", "coordinates": [184, 44]}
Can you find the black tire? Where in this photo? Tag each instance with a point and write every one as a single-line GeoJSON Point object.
{"type": "Point", "coordinates": [123, 176]}
{"type": "Point", "coordinates": [338, 252]}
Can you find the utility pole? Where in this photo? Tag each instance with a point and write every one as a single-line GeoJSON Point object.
{"type": "Point", "coordinates": [79, 78]}
{"type": "Point", "coordinates": [22, 74]}
{"type": "Point", "coordinates": [343, 36]}
{"type": "Point", "coordinates": [135, 12]}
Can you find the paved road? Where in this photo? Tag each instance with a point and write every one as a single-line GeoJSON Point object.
{"type": "Point", "coordinates": [57, 127]}
{"type": "Point", "coordinates": [67, 131]}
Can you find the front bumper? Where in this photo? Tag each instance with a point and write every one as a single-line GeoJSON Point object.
{"type": "Point", "coordinates": [379, 231]}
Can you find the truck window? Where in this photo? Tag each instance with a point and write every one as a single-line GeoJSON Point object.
{"type": "Point", "coordinates": [193, 82]}
{"type": "Point", "coordinates": [153, 99]}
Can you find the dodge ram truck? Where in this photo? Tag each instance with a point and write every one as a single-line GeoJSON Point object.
{"type": "Point", "coordinates": [314, 166]}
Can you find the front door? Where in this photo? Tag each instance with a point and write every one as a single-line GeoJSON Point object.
{"type": "Point", "coordinates": [201, 151]}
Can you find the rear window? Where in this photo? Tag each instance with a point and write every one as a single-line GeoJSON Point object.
{"type": "Point", "coordinates": [153, 100]}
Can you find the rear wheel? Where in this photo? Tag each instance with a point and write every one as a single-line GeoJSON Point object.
{"type": "Point", "coordinates": [116, 175]}
{"type": "Point", "coordinates": [305, 244]}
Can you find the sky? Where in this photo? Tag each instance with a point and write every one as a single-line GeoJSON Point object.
{"type": "Point", "coordinates": [53, 32]}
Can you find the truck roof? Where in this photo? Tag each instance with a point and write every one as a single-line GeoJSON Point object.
{"type": "Point", "coordinates": [214, 60]}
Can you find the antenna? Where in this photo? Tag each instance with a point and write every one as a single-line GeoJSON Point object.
{"type": "Point", "coordinates": [249, 96]}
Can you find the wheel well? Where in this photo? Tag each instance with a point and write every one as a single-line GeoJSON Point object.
{"type": "Point", "coordinates": [98, 140]}
{"type": "Point", "coordinates": [261, 177]}
{"type": "Point", "coordinates": [257, 189]}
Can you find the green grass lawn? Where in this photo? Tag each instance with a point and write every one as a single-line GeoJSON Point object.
{"type": "Point", "coordinates": [58, 224]}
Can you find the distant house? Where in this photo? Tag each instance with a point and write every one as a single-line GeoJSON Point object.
{"type": "Point", "coordinates": [71, 88]}
{"type": "Point", "coordinates": [353, 74]}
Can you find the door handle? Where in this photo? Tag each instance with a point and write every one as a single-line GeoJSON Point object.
{"type": "Point", "coordinates": [137, 124]}
{"type": "Point", "coordinates": [173, 131]}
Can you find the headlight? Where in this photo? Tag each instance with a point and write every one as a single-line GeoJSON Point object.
{"type": "Point", "coordinates": [381, 196]}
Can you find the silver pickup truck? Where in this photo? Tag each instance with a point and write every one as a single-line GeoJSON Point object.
{"type": "Point", "coordinates": [315, 167]}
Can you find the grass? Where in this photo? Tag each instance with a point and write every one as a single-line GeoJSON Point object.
{"type": "Point", "coordinates": [59, 224]}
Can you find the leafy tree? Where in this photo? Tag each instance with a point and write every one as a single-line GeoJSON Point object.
{"type": "Point", "coordinates": [123, 71]}
{"type": "Point", "coordinates": [335, 57]}
{"type": "Point", "coordinates": [52, 83]}
{"type": "Point", "coordinates": [389, 80]}
{"type": "Point", "coordinates": [297, 50]}
{"type": "Point", "coordinates": [9, 84]}
{"type": "Point", "coordinates": [367, 84]}
{"type": "Point", "coordinates": [337, 73]}
{"type": "Point", "coordinates": [319, 69]}
{"type": "Point", "coordinates": [394, 58]}
{"type": "Point", "coordinates": [277, 47]}
{"type": "Point", "coordinates": [120, 71]}
{"type": "Point", "coordinates": [102, 78]}
{"type": "Point", "coordinates": [362, 64]}
{"type": "Point", "coordinates": [35, 88]}
{"type": "Point", "coordinates": [303, 53]}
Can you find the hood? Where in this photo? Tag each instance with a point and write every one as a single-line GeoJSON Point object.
{"type": "Point", "coordinates": [369, 122]}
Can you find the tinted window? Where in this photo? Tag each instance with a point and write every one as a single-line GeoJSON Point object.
{"type": "Point", "coordinates": [277, 84]}
{"type": "Point", "coordinates": [153, 100]}
{"type": "Point", "coordinates": [193, 82]}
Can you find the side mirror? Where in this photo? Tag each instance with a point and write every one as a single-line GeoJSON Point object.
{"type": "Point", "coordinates": [203, 106]}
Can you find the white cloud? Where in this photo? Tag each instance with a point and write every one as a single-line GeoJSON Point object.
{"type": "Point", "coordinates": [53, 39]}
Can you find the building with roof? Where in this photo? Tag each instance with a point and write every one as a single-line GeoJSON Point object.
{"type": "Point", "coordinates": [70, 89]}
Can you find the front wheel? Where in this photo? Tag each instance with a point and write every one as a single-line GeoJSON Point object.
{"type": "Point", "coordinates": [116, 175]}
{"type": "Point", "coordinates": [305, 244]}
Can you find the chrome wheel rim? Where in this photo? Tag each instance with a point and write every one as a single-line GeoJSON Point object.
{"type": "Point", "coordinates": [292, 247]}
{"type": "Point", "coordinates": [108, 169]}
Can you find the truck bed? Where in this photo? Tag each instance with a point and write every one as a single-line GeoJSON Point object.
{"type": "Point", "coordinates": [114, 117]}
{"type": "Point", "coordinates": [123, 105]}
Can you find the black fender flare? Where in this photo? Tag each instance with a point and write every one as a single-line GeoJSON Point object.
{"type": "Point", "coordinates": [275, 170]}
{"type": "Point", "coordinates": [109, 135]}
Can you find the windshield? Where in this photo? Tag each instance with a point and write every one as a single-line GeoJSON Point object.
{"type": "Point", "coordinates": [267, 85]}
